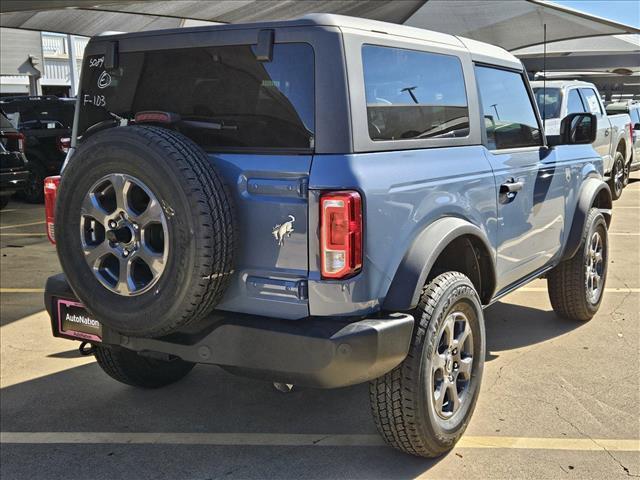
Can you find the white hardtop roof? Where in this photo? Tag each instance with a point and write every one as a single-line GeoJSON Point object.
{"type": "Point", "coordinates": [480, 51]}
{"type": "Point", "coordinates": [561, 83]}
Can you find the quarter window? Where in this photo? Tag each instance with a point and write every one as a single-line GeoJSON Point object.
{"type": "Point", "coordinates": [509, 118]}
{"type": "Point", "coordinates": [414, 95]}
{"type": "Point", "coordinates": [591, 100]}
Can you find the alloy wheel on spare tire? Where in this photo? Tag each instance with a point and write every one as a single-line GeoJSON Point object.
{"type": "Point", "coordinates": [145, 229]}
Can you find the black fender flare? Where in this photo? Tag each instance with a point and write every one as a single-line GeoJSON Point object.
{"type": "Point", "coordinates": [411, 275]}
{"type": "Point", "coordinates": [591, 189]}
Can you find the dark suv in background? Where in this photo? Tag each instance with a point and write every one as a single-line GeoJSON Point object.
{"type": "Point", "coordinates": [13, 168]}
{"type": "Point", "coordinates": [45, 122]}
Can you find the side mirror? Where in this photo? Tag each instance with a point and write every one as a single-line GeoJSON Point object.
{"type": "Point", "coordinates": [578, 129]}
{"type": "Point", "coordinates": [636, 127]}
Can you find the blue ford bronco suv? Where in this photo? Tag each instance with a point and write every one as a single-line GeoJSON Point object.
{"type": "Point", "coordinates": [321, 202]}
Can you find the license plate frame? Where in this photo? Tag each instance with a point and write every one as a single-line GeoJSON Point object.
{"type": "Point", "coordinates": [75, 322]}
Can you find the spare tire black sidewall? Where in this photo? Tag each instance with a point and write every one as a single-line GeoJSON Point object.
{"type": "Point", "coordinates": [126, 153]}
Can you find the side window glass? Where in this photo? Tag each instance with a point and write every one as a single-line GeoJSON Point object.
{"type": "Point", "coordinates": [636, 115]}
{"type": "Point", "coordinates": [412, 94]}
{"type": "Point", "coordinates": [509, 117]}
{"type": "Point", "coordinates": [591, 100]}
{"type": "Point", "coordinates": [574, 102]}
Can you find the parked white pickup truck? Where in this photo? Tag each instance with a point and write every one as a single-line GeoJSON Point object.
{"type": "Point", "coordinates": [613, 140]}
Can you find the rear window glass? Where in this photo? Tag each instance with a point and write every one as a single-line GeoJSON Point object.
{"type": "Point", "coordinates": [549, 101]}
{"type": "Point", "coordinates": [412, 94]}
{"type": "Point", "coordinates": [226, 99]}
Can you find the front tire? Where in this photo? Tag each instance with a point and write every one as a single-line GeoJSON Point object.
{"type": "Point", "coordinates": [127, 367]}
{"type": "Point", "coordinates": [576, 286]}
{"type": "Point", "coordinates": [423, 406]}
{"type": "Point", "coordinates": [616, 182]}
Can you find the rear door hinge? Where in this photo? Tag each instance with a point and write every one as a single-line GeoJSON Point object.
{"type": "Point", "coordinates": [303, 187]}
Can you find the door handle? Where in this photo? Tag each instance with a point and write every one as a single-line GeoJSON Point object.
{"type": "Point", "coordinates": [511, 187]}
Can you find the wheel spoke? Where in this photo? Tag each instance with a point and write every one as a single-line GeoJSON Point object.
{"type": "Point", "coordinates": [125, 284]}
{"type": "Point", "coordinates": [439, 400]}
{"type": "Point", "coordinates": [155, 261]}
{"type": "Point", "coordinates": [464, 367]}
{"type": "Point", "coordinates": [93, 254]}
{"type": "Point", "coordinates": [454, 398]}
{"type": "Point", "coordinates": [121, 186]}
{"type": "Point", "coordinates": [438, 361]}
{"type": "Point", "coordinates": [91, 208]}
{"type": "Point", "coordinates": [448, 330]}
{"type": "Point", "coordinates": [462, 338]}
{"type": "Point", "coordinates": [153, 213]}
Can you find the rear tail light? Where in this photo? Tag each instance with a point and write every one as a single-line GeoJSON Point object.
{"type": "Point", "coordinates": [64, 143]}
{"type": "Point", "coordinates": [340, 234]}
{"type": "Point", "coordinates": [21, 142]}
{"type": "Point", "coordinates": [50, 192]}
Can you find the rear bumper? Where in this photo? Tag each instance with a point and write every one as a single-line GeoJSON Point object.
{"type": "Point", "coordinates": [12, 180]}
{"type": "Point", "coordinates": [316, 352]}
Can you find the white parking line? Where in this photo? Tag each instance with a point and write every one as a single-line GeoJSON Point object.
{"type": "Point", "coordinates": [22, 225]}
{"type": "Point", "coordinates": [606, 290]}
{"type": "Point", "coordinates": [623, 234]}
{"type": "Point", "coordinates": [23, 234]}
{"type": "Point", "coordinates": [300, 439]}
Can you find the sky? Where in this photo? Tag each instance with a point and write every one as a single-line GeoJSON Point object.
{"type": "Point", "coordinates": [622, 11]}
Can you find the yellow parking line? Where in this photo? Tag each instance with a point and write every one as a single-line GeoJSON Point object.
{"type": "Point", "coordinates": [21, 290]}
{"type": "Point", "coordinates": [23, 225]}
{"type": "Point", "coordinates": [300, 439]}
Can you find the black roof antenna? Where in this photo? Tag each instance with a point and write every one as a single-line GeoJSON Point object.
{"type": "Point", "coordinates": [544, 79]}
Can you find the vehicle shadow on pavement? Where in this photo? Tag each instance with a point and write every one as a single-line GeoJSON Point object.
{"type": "Point", "coordinates": [509, 326]}
{"type": "Point", "coordinates": [209, 400]}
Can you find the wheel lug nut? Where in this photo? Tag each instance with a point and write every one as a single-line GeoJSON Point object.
{"type": "Point", "coordinates": [112, 224]}
{"type": "Point", "coordinates": [455, 365]}
{"type": "Point", "coordinates": [125, 253]}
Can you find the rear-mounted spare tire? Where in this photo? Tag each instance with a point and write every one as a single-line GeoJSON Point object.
{"type": "Point", "coordinates": [145, 230]}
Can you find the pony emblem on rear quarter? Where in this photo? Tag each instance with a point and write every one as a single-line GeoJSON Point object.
{"type": "Point", "coordinates": [283, 230]}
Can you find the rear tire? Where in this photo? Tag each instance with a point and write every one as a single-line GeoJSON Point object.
{"type": "Point", "coordinates": [616, 182]}
{"type": "Point", "coordinates": [576, 286]}
{"type": "Point", "coordinates": [414, 405]}
{"type": "Point", "coordinates": [128, 367]}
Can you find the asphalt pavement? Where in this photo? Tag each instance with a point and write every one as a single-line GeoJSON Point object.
{"type": "Point", "coordinates": [559, 399]}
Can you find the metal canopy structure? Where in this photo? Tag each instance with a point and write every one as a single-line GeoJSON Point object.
{"type": "Point", "coordinates": [613, 54]}
{"type": "Point", "coordinates": [511, 25]}
{"type": "Point", "coordinates": [514, 24]}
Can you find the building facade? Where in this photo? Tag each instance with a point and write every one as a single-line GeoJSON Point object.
{"type": "Point", "coordinates": [40, 63]}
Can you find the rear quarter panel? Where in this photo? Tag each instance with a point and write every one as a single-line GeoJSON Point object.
{"type": "Point", "coordinates": [403, 192]}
